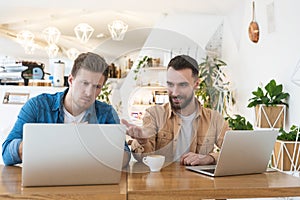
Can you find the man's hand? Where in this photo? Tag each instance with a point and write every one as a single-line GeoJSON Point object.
{"type": "Point", "coordinates": [196, 159]}
{"type": "Point", "coordinates": [135, 132]}
{"type": "Point", "coordinates": [21, 150]}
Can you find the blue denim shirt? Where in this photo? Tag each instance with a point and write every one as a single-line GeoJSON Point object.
{"type": "Point", "coordinates": [48, 108]}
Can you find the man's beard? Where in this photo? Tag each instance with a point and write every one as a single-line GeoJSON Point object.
{"type": "Point", "coordinates": [184, 104]}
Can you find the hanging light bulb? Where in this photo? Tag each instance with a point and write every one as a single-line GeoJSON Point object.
{"type": "Point", "coordinates": [51, 35]}
{"type": "Point", "coordinates": [25, 37]}
{"type": "Point", "coordinates": [117, 29]}
{"type": "Point", "coordinates": [30, 47]}
{"type": "Point", "coordinates": [72, 53]}
{"type": "Point", "coordinates": [52, 50]}
{"type": "Point", "coordinates": [83, 32]}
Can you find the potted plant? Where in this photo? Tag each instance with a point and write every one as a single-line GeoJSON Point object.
{"type": "Point", "coordinates": [105, 93]}
{"type": "Point", "coordinates": [210, 74]}
{"type": "Point", "coordinates": [141, 64]}
{"type": "Point", "coordinates": [238, 122]}
{"type": "Point", "coordinates": [286, 150]}
{"type": "Point", "coordinates": [270, 105]}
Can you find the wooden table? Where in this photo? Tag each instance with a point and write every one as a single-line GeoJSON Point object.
{"type": "Point", "coordinates": [10, 188]}
{"type": "Point", "coordinates": [175, 182]}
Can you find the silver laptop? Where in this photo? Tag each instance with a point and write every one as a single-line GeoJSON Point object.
{"type": "Point", "coordinates": [242, 152]}
{"type": "Point", "coordinates": [72, 154]}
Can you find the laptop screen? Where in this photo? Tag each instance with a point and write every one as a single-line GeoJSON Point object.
{"type": "Point", "coordinates": [72, 154]}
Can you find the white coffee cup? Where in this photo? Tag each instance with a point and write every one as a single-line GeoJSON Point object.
{"type": "Point", "coordinates": [154, 162]}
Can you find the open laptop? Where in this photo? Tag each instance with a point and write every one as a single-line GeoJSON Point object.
{"type": "Point", "coordinates": [242, 152]}
{"type": "Point", "coordinates": [72, 154]}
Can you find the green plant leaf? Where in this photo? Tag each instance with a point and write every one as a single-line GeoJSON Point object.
{"type": "Point", "coordinates": [258, 93]}
{"type": "Point", "coordinates": [105, 93]}
{"type": "Point", "coordinates": [290, 135]}
{"type": "Point", "coordinates": [141, 64]}
{"type": "Point", "coordinates": [239, 122]}
{"type": "Point", "coordinates": [209, 72]}
{"type": "Point", "coordinates": [274, 95]}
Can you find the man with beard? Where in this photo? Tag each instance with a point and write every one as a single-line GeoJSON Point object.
{"type": "Point", "coordinates": [182, 130]}
{"type": "Point", "coordinates": [77, 104]}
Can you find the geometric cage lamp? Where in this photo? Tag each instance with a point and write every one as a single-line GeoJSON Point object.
{"type": "Point", "coordinates": [117, 30]}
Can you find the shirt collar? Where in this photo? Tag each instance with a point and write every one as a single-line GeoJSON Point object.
{"type": "Point", "coordinates": [60, 100]}
{"type": "Point", "coordinates": [90, 115]}
{"type": "Point", "coordinates": [173, 113]}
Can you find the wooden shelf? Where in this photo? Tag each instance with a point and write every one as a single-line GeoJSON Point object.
{"type": "Point", "coordinates": [152, 87]}
{"type": "Point", "coordinates": [155, 68]}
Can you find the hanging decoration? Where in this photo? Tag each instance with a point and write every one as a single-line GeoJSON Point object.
{"type": "Point", "coordinates": [51, 35]}
{"type": "Point", "coordinates": [117, 30]}
{"type": "Point", "coordinates": [26, 39]}
{"type": "Point", "coordinates": [30, 47]}
{"type": "Point", "coordinates": [83, 32]}
{"type": "Point", "coordinates": [296, 75]}
{"type": "Point", "coordinates": [253, 29]}
{"type": "Point", "coordinates": [72, 53]}
{"type": "Point", "coordinates": [52, 50]}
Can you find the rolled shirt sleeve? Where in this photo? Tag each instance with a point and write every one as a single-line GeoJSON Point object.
{"type": "Point", "coordinates": [11, 155]}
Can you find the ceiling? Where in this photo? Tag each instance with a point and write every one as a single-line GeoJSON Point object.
{"type": "Point", "coordinates": [35, 16]}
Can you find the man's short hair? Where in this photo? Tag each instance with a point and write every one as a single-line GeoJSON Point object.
{"type": "Point", "coordinates": [91, 62]}
{"type": "Point", "coordinates": [184, 62]}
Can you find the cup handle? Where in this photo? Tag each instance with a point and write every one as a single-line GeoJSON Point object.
{"type": "Point", "coordinates": [145, 160]}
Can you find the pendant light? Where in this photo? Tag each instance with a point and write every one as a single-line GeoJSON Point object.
{"type": "Point", "coordinates": [72, 53]}
{"type": "Point", "coordinates": [83, 32]}
{"type": "Point", "coordinates": [26, 39]}
{"type": "Point", "coordinates": [51, 34]}
{"type": "Point", "coordinates": [25, 36]}
{"type": "Point", "coordinates": [52, 50]}
{"type": "Point", "coordinates": [117, 30]}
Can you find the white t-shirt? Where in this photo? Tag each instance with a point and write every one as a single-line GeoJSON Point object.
{"type": "Point", "coordinates": [69, 118]}
{"type": "Point", "coordinates": [185, 135]}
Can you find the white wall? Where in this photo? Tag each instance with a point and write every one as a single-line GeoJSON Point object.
{"type": "Point", "coordinates": [274, 56]}
{"type": "Point", "coordinates": [162, 43]}
{"type": "Point", "coordinates": [249, 65]}
{"type": "Point", "coordinates": [9, 112]}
